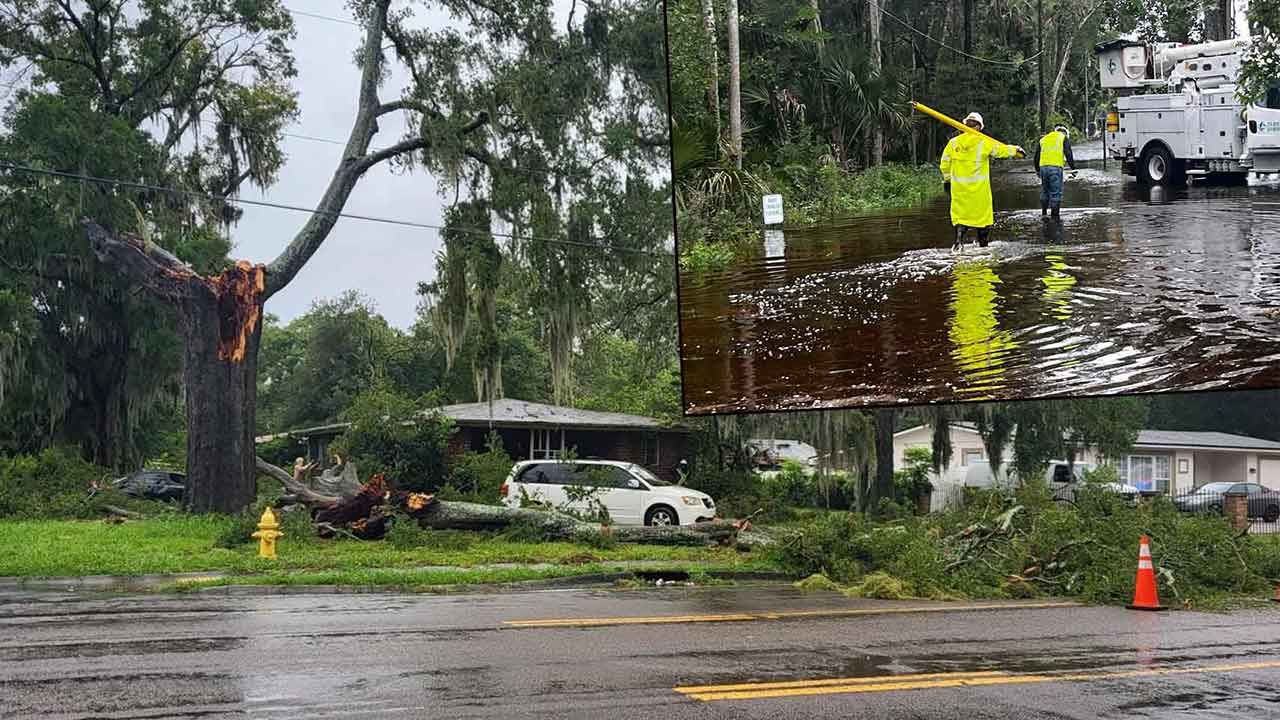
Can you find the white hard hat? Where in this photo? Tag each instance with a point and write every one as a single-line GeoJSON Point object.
{"type": "Point", "coordinates": [975, 117]}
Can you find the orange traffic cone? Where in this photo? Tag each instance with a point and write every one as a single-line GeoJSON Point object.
{"type": "Point", "coordinates": [1144, 593]}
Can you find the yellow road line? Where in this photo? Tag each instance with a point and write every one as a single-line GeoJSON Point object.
{"type": "Point", "coordinates": [703, 689]}
{"type": "Point", "coordinates": [834, 686]}
{"type": "Point", "coordinates": [748, 617]}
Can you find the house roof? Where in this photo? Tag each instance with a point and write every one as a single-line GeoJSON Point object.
{"type": "Point", "coordinates": [958, 425]}
{"type": "Point", "coordinates": [509, 412]}
{"type": "Point", "coordinates": [1216, 440]}
{"type": "Point", "coordinates": [1207, 440]}
{"type": "Point", "coordinates": [522, 413]}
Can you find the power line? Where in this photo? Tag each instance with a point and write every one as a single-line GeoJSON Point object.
{"type": "Point", "coordinates": [929, 37]}
{"type": "Point", "coordinates": [317, 16]}
{"type": "Point", "coordinates": [4, 165]}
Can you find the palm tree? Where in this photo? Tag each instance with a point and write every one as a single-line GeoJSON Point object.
{"type": "Point", "coordinates": [858, 99]}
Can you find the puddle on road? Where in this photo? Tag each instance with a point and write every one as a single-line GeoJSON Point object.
{"type": "Point", "coordinates": [1132, 291]}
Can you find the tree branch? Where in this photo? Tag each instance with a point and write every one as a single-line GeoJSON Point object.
{"type": "Point", "coordinates": [286, 266]}
{"type": "Point", "coordinates": [91, 42]}
{"type": "Point", "coordinates": [294, 484]}
{"type": "Point", "coordinates": [149, 265]}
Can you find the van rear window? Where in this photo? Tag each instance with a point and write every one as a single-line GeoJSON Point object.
{"type": "Point", "coordinates": [1273, 98]}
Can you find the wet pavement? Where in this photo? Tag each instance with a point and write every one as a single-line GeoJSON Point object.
{"type": "Point", "coordinates": [671, 651]}
{"type": "Point", "coordinates": [1135, 290]}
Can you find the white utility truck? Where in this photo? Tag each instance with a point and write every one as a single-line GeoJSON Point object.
{"type": "Point", "coordinates": [1194, 124]}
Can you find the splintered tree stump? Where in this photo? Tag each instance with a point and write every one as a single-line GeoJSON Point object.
{"type": "Point", "coordinates": [358, 509]}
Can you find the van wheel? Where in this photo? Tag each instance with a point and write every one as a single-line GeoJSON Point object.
{"type": "Point", "coordinates": [1271, 514]}
{"type": "Point", "coordinates": [1158, 167]}
{"type": "Point", "coordinates": [660, 515]}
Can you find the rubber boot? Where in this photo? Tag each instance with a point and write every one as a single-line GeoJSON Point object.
{"type": "Point", "coordinates": [1056, 208]}
{"type": "Point", "coordinates": [1044, 208]}
{"type": "Point", "coordinates": [958, 243]}
{"type": "Point", "coordinates": [984, 236]}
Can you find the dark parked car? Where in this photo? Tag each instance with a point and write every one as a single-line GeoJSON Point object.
{"type": "Point", "coordinates": [152, 484]}
{"type": "Point", "coordinates": [1263, 503]}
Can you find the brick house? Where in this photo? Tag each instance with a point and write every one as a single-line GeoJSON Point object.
{"type": "Point", "coordinates": [533, 431]}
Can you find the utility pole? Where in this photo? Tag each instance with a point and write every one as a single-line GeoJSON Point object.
{"type": "Point", "coordinates": [1087, 68]}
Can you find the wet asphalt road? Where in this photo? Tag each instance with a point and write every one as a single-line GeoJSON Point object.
{"type": "Point", "coordinates": [489, 656]}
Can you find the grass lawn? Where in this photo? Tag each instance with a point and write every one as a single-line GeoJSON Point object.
{"type": "Point", "coordinates": [53, 548]}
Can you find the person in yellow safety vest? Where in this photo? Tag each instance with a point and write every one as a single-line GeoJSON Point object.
{"type": "Point", "coordinates": [1054, 152]}
{"type": "Point", "coordinates": [966, 176]}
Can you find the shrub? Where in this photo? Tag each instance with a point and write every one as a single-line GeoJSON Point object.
{"type": "Point", "coordinates": [477, 477]}
{"type": "Point", "coordinates": [52, 484]}
{"type": "Point", "coordinates": [388, 435]}
{"type": "Point", "coordinates": [295, 524]}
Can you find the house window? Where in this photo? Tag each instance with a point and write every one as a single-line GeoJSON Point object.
{"type": "Point", "coordinates": [649, 455]}
{"type": "Point", "coordinates": [543, 444]}
{"type": "Point", "coordinates": [1148, 473]}
{"type": "Point", "coordinates": [970, 455]}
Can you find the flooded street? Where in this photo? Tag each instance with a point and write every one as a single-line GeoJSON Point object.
{"type": "Point", "coordinates": [1133, 291]}
{"type": "Point", "coordinates": [742, 652]}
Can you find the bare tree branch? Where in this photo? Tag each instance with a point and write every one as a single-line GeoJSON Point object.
{"type": "Point", "coordinates": [285, 267]}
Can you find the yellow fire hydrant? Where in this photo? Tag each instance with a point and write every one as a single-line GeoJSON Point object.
{"type": "Point", "coordinates": [268, 531]}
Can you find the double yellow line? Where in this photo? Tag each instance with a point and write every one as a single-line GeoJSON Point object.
{"type": "Point", "coordinates": [890, 683]}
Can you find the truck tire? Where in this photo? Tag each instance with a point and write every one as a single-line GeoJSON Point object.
{"type": "Point", "coordinates": [1158, 167]}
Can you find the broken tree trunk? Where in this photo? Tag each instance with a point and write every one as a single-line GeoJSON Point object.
{"type": "Point", "coordinates": [218, 318]}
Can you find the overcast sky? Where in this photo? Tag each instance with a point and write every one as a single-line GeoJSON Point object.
{"type": "Point", "coordinates": [385, 262]}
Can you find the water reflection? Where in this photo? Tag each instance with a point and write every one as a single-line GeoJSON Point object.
{"type": "Point", "coordinates": [1132, 290]}
{"type": "Point", "coordinates": [1057, 287]}
{"type": "Point", "coordinates": [978, 342]}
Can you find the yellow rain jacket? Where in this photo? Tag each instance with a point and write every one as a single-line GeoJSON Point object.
{"type": "Point", "coordinates": [966, 164]}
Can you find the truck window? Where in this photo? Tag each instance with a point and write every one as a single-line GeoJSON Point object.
{"type": "Point", "coordinates": [1273, 98]}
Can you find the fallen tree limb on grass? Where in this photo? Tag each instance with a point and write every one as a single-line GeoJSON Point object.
{"type": "Point", "coordinates": [296, 484]}
{"type": "Point", "coordinates": [551, 525]}
{"type": "Point", "coordinates": [368, 514]}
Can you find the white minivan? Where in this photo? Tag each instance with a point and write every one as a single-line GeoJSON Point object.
{"type": "Point", "coordinates": [631, 494]}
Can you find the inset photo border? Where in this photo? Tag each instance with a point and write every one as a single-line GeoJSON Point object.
{"type": "Point", "coordinates": [884, 203]}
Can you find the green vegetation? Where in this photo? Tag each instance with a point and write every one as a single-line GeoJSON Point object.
{"type": "Point", "coordinates": [812, 195]}
{"type": "Point", "coordinates": [56, 483]}
{"type": "Point", "coordinates": [187, 543]}
{"type": "Point", "coordinates": [1024, 545]}
{"type": "Point", "coordinates": [399, 437]}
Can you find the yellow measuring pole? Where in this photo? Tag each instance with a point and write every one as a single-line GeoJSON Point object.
{"type": "Point", "coordinates": [946, 120]}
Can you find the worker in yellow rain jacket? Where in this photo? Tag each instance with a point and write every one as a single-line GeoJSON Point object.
{"type": "Point", "coordinates": [966, 176]}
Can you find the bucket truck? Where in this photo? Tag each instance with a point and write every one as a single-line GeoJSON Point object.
{"type": "Point", "coordinates": [1193, 124]}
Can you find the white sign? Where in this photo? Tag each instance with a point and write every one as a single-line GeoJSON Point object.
{"type": "Point", "coordinates": [772, 209]}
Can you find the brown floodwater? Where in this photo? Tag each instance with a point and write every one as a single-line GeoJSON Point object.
{"type": "Point", "coordinates": [1135, 290]}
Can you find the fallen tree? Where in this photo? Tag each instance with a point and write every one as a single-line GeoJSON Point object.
{"type": "Point", "coordinates": [368, 514]}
